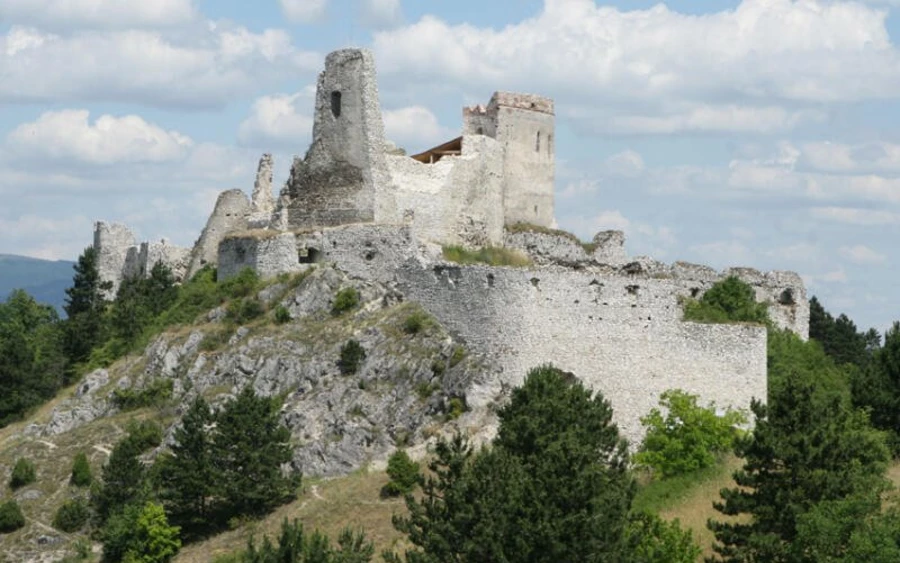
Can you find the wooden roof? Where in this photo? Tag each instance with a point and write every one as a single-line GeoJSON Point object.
{"type": "Point", "coordinates": [432, 155]}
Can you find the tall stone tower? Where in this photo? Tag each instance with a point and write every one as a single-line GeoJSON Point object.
{"type": "Point", "coordinates": [337, 181]}
{"type": "Point", "coordinates": [524, 126]}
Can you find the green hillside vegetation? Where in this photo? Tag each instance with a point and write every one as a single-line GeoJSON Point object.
{"type": "Point", "coordinates": [811, 482]}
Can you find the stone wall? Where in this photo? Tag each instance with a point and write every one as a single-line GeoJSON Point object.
{"type": "Point", "coordinates": [620, 336]}
{"type": "Point", "coordinates": [268, 252]}
{"type": "Point", "coordinates": [119, 256]}
{"type": "Point", "coordinates": [230, 215]}
{"type": "Point", "coordinates": [562, 248]}
{"type": "Point", "coordinates": [456, 200]}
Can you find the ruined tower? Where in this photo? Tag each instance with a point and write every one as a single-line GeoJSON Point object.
{"type": "Point", "coordinates": [524, 125]}
{"type": "Point", "coordinates": [338, 180]}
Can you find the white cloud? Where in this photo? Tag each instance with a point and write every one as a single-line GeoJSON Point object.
{"type": "Point", "coordinates": [856, 216]}
{"type": "Point", "coordinates": [205, 68]}
{"type": "Point", "coordinates": [660, 71]}
{"type": "Point", "coordinates": [861, 254]}
{"type": "Point", "coordinates": [721, 253]}
{"type": "Point", "coordinates": [61, 238]}
{"type": "Point", "coordinates": [98, 13]}
{"type": "Point", "coordinates": [871, 157]}
{"type": "Point", "coordinates": [710, 118]}
{"type": "Point", "coordinates": [69, 136]}
{"type": "Point", "coordinates": [415, 126]}
{"type": "Point", "coordinates": [304, 11]}
{"type": "Point", "coordinates": [628, 164]}
{"type": "Point", "coordinates": [280, 120]}
{"type": "Point", "coordinates": [381, 13]}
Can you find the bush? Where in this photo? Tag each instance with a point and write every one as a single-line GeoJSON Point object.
{"type": "Point", "coordinates": [216, 338]}
{"type": "Point", "coordinates": [729, 300]}
{"type": "Point", "coordinates": [352, 355]}
{"type": "Point", "coordinates": [297, 546]}
{"type": "Point", "coordinates": [416, 322]}
{"type": "Point", "coordinates": [282, 315]}
{"type": "Point", "coordinates": [689, 437]}
{"type": "Point", "coordinates": [140, 534]}
{"type": "Point", "coordinates": [72, 515]}
{"type": "Point", "coordinates": [153, 395]}
{"type": "Point", "coordinates": [144, 434]}
{"type": "Point", "coordinates": [345, 300]}
{"type": "Point", "coordinates": [404, 474]}
{"type": "Point", "coordinates": [241, 285]}
{"type": "Point", "coordinates": [456, 407]}
{"type": "Point", "coordinates": [23, 474]}
{"type": "Point", "coordinates": [81, 471]}
{"type": "Point", "coordinates": [244, 310]}
{"type": "Point", "coordinates": [653, 540]}
{"type": "Point", "coordinates": [11, 517]}
{"type": "Point", "coordinates": [458, 355]}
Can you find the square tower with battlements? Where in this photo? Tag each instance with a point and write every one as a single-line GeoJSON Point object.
{"type": "Point", "coordinates": [524, 125]}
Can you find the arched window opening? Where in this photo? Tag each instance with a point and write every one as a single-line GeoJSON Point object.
{"type": "Point", "coordinates": [336, 103]}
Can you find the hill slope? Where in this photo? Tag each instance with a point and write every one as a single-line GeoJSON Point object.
{"type": "Point", "coordinates": [45, 280]}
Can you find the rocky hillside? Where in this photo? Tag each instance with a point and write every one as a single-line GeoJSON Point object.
{"type": "Point", "coordinates": [410, 383]}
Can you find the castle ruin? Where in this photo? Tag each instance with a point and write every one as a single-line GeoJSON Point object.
{"type": "Point", "coordinates": [356, 202]}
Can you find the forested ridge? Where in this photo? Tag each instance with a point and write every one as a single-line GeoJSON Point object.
{"type": "Point", "coordinates": [556, 484]}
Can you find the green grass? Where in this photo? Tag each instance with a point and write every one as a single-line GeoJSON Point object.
{"type": "Point", "coordinates": [490, 255]}
{"type": "Point", "coordinates": [663, 494]}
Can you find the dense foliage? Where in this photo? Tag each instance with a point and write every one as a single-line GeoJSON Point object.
{"type": "Point", "coordinates": [23, 473]}
{"type": "Point", "coordinates": [32, 356]}
{"type": "Point", "coordinates": [554, 486]}
{"type": "Point", "coordinates": [813, 467]}
{"type": "Point", "coordinates": [729, 300]}
{"type": "Point", "coordinates": [11, 517]}
{"type": "Point", "coordinates": [403, 473]}
{"type": "Point", "coordinates": [81, 471]}
{"type": "Point", "coordinates": [688, 437]}
{"type": "Point", "coordinates": [140, 534]}
{"type": "Point", "coordinates": [72, 515]}
{"type": "Point", "coordinates": [296, 546]}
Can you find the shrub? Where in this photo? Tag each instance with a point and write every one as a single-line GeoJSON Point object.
{"type": "Point", "coordinates": [456, 407]}
{"type": "Point", "coordinates": [241, 285]}
{"type": "Point", "coordinates": [458, 355]}
{"type": "Point", "coordinates": [144, 434]}
{"type": "Point", "coordinates": [140, 533]}
{"type": "Point", "coordinates": [244, 310]}
{"type": "Point", "coordinates": [345, 300]}
{"type": "Point", "coordinates": [153, 395]}
{"type": "Point", "coordinates": [23, 474]}
{"type": "Point", "coordinates": [81, 471]}
{"type": "Point", "coordinates": [404, 474]}
{"type": "Point", "coordinates": [491, 255]}
{"type": "Point", "coordinates": [282, 315]}
{"type": "Point", "coordinates": [72, 515]}
{"type": "Point", "coordinates": [653, 540]}
{"type": "Point", "coordinates": [729, 300]}
{"type": "Point", "coordinates": [689, 437]}
{"type": "Point", "coordinates": [416, 322]}
{"type": "Point", "coordinates": [216, 339]}
{"type": "Point", "coordinates": [352, 355]}
{"type": "Point", "coordinates": [11, 517]}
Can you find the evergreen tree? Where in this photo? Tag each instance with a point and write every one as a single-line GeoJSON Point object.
{"type": "Point", "coordinates": [249, 447]}
{"type": "Point", "coordinates": [123, 481]}
{"type": "Point", "coordinates": [554, 487]}
{"type": "Point", "coordinates": [84, 306]}
{"type": "Point", "coordinates": [188, 478]}
{"type": "Point", "coordinates": [810, 453]}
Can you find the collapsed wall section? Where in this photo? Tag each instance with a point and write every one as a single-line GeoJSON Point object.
{"type": "Point", "coordinates": [621, 336]}
{"type": "Point", "coordinates": [456, 200]}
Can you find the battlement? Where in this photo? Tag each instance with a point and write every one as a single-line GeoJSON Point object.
{"type": "Point", "coordinates": [529, 102]}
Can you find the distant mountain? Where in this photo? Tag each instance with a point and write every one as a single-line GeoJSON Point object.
{"type": "Point", "coordinates": [45, 280]}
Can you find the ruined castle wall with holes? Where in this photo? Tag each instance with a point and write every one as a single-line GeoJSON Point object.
{"type": "Point", "coordinates": [356, 201]}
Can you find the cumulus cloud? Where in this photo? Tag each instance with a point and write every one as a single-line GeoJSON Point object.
{"type": "Point", "coordinates": [627, 163]}
{"type": "Point", "coordinates": [381, 13]}
{"type": "Point", "coordinates": [59, 238]}
{"type": "Point", "coordinates": [283, 120]}
{"type": "Point", "coordinates": [415, 126]}
{"type": "Point", "coordinates": [660, 71]}
{"type": "Point", "coordinates": [209, 67]}
{"type": "Point", "coordinates": [304, 11]}
{"type": "Point", "coordinates": [861, 254]}
{"type": "Point", "coordinates": [873, 157]}
{"type": "Point", "coordinates": [97, 13]}
{"type": "Point", "coordinates": [68, 135]}
{"type": "Point", "coordinates": [720, 253]}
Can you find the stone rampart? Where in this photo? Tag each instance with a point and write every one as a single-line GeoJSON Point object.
{"type": "Point", "coordinates": [548, 247]}
{"type": "Point", "coordinates": [622, 336]}
{"type": "Point", "coordinates": [119, 256]}
{"type": "Point", "coordinates": [268, 252]}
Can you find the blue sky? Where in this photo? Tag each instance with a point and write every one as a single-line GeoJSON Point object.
{"type": "Point", "coordinates": [762, 133]}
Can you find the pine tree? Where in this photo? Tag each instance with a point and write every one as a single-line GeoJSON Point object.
{"type": "Point", "coordinates": [188, 477]}
{"type": "Point", "coordinates": [249, 447]}
{"type": "Point", "coordinates": [84, 306]}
